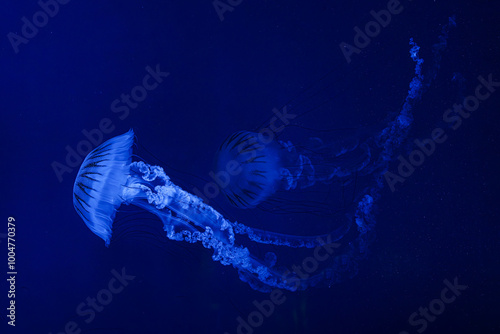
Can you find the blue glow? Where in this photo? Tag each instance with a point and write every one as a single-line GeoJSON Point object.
{"type": "Point", "coordinates": [109, 178]}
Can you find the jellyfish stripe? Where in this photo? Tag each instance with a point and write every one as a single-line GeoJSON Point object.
{"type": "Point", "coordinates": [84, 188]}
{"type": "Point", "coordinates": [253, 160]}
{"type": "Point", "coordinates": [230, 139]}
{"type": "Point", "coordinates": [81, 214]}
{"type": "Point", "coordinates": [242, 137]}
{"type": "Point", "coordinates": [95, 164]}
{"type": "Point", "coordinates": [240, 199]}
{"type": "Point", "coordinates": [250, 148]}
{"type": "Point", "coordinates": [249, 193]}
{"type": "Point", "coordinates": [86, 175]}
{"type": "Point", "coordinates": [236, 138]}
{"type": "Point", "coordinates": [80, 200]}
{"type": "Point", "coordinates": [256, 184]}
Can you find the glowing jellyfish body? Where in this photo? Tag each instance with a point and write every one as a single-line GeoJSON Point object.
{"type": "Point", "coordinates": [109, 178]}
{"type": "Point", "coordinates": [256, 167]}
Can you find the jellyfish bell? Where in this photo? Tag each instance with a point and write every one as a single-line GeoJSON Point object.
{"type": "Point", "coordinates": [250, 167]}
{"type": "Point", "coordinates": [99, 187]}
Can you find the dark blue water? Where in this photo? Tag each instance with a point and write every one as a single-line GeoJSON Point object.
{"type": "Point", "coordinates": [217, 73]}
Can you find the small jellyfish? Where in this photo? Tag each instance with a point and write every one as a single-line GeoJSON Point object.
{"type": "Point", "coordinates": [255, 168]}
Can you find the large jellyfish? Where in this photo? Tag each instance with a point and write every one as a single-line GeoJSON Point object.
{"type": "Point", "coordinates": [109, 178]}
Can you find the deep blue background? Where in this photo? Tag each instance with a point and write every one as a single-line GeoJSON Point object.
{"type": "Point", "coordinates": [227, 76]}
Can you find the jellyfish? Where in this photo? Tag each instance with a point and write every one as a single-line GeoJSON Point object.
{"type": "Point", "coordinates": [256, 167]}
{"type": "Point", "coordinates": [108, 179]}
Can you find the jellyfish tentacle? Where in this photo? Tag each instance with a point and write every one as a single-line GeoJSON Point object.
{"type": "Point", "coordinates": [294, 241]}
{"type": "Point", "coordinates": [172, 204]}
{"type": "Point", "coordinates": [306, 165]}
